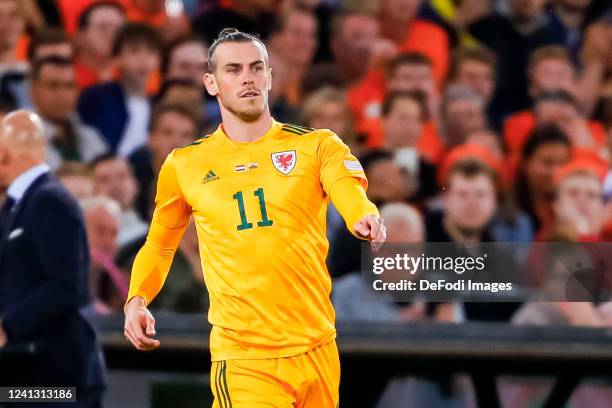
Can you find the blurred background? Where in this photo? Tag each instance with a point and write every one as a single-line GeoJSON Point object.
{"type": "Point", "coordinates": [475, 121]}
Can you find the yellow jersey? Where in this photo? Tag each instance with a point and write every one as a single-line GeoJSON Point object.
{"type": "Point", "coordinates": [260, 214]}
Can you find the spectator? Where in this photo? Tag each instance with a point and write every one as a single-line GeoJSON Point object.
{"type": "Point", "coordinates": [12, 28]}
{"type": "Point", "coordinates": [404, 226]}
{"type": "Point", "coordinates": [77, 179]}
{"type": "Point", "coordinates": [549, 70]}
{"type": "Point", "coordinates": [406, 72]}
{"type": "Point", "coordinates": [186, 59]}
{"type": "Point", "coordinates": [292, 47]}
{"type": "Point", "coordinates": [462, 112]}
{"type": "Point", "coordinates": [54, 93]}
{"type": "Point", "coordinates": [14, 84]}
{"type": "Point", "coordinates": [404, 118]}
{"type": "Point", "coordinates": [98, 25]}
{"type": "Point", "coordinates": [572, 15]}
{"type": "Point", "coordinates": [107, 285]}
{"type": "Point", "coordinates": [470, 178]}
{"type": "Point", "coordinates": [513, 38]}
{"type": "Point", "coordinates": [113, 178]}
{"type": "Point", "coordinates": [327, 108]}
{"type": "Point", "coordinates": [184, 290]}
{"type": "Point", "coordinates": [399, 24]}
{"type": "Point", "coordinates": [353, 34]}
{"type": "Point", "coordinates": [120, 110]}
{"type": "Point", "coordinates": [474, 67]}
{"type": "Point", "coordinates": [172, 125]}
{"type": "Point", "coordinates": [579, 203]}
{"type": "Point", "coordinates": [245, 15]}
{"type": "Point", "coordinates": [547, 149]}
{"type": "Point", "coordinates": [559, 108]}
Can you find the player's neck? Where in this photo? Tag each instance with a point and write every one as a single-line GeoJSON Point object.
{"type": "Point", "coordinates": [241, 131]}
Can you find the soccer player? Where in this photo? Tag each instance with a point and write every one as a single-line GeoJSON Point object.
{"type": "Point", "coordinates": [258, 192]}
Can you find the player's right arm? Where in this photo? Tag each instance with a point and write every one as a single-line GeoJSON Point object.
{"type": "Point", "coordinates": [153, 261]}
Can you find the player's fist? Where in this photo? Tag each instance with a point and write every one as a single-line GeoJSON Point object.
{"type": "Point", "coordinates": [372, 227]}
{"type": "Point", "coordinates": [139, 325]}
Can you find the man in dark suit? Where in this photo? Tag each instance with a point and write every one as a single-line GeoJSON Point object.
{"type": "Point", "coordinates": [43, 269]}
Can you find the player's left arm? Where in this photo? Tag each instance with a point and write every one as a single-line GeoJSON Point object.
{"type": "Point", "coordinates": [344, 181]}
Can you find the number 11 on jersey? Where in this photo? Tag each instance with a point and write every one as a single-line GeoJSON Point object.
{"type": "Point", "coordinates": [244, 224]}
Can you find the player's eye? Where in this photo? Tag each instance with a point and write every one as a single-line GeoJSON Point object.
{"type": "Point", "coordinates": [257, 68]}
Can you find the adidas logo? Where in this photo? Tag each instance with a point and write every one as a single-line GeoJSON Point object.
{"type": "Point", "coordinates": [211, 176]}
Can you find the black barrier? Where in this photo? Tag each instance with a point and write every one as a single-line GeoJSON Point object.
{"type": "Point", "coordinates": [373, 353]}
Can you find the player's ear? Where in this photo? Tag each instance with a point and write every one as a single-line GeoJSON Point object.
{"type": "Point", "coordinates": [210, 82]}
{"type": "Point", "coordinates": [269, 79]}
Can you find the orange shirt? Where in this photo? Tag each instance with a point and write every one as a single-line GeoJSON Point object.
{"type": "Point", "coordinates": [137, 15]}
{"type": "Point", "coordinates": [518, 127]}
{"type": "Point", "coordinates": [431, 40]}
{"type": "Point", "coordinates": [70, 11]}
{"type": "Point", "coordinates": [429, 145]}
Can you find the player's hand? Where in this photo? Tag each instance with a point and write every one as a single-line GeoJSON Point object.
{"type": "Point", "coordinates": [372, 227]}
{"type": "Point", "coordinates": [139, 325]}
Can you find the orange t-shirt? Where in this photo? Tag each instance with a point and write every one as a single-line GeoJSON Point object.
{"type": "Point", "coordinates": [70, 11]}
{"type": "Point", "coordinates": [518, 127]}
{"type": "Point", "coordinates": [429, 145]}
{"type": "Point", "coordinates": [431, 40]}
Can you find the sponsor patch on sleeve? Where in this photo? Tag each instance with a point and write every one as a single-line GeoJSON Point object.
{"type": "Point", "coordinates": [353, 165]}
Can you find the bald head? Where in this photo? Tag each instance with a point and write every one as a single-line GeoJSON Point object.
{"type": "Point", "coordinates": [22, 129]}
{"type": "Point", "coordinates": [22, 144]}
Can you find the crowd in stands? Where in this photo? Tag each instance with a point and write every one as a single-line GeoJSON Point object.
{"type": "Point", "coordinates": [475, 121]}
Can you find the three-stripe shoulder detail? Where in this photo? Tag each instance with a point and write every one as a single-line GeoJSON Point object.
{"type": "Point", "coordinates": [298, 130]}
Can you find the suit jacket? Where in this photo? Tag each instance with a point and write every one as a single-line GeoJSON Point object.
{"type": "Point", "coordinates": [44, 261]}
{"type": "Point", "coordinates": [104, 107]}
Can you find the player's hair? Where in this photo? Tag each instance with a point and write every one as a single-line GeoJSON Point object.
{"type": "Point", "coordinates": [85, 16]}
{"type": "Point", "coordinates": [47, 36]}
{"type": "Point", "coordinates": [229, 35]}
{"type": "Point", "coordinates": [56, 60]}
{"type": "Point", "coordinates": [549, 52]}
{"type": "Point", "coordinates": [462, 55]}
{"type": "Point", "coordinates": [181, 109]}
{"type": "Point", "coordinates": [407, 58]}
{"type": "Point", "coordinates": [137, 33]}
{"type": "Point", "coordinates": [419, 97]}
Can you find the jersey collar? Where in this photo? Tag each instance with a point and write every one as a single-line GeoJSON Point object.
{"type": "Point", "coordinates": [270, 134]}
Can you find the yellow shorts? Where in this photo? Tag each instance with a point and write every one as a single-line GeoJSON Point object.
{"type": "Point", "coordinates": [309, 380]}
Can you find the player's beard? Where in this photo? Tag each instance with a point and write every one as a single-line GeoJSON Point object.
{"type": "Point", "coordinates": [246, 115]}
